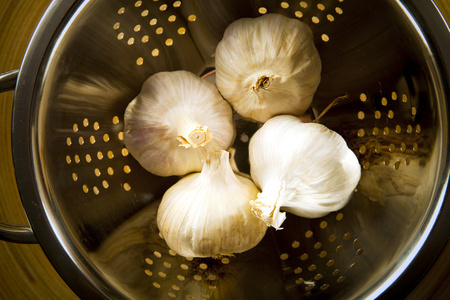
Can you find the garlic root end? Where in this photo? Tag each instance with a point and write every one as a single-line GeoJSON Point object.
{"type": "Point", "coordinates": [270, 214]}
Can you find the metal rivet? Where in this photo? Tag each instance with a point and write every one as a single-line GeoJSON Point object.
{"type": "Point", "coordinates": [318, 277]}
{"type": "Point", "coordinates": [284, 256]}
{"type": "Point", "coordinates": [363, 97]}
{"type": "Point", "coordinates": [390, 114]}
{"type": "Point", "coordinates": [394, 96]}
{"type": "Point", "coordinates": [404, 98]}
{"type": "Point", "coordinates": [181, 278]}
{"type": "Point", "coordinates": [361, 132]}
{"type": "Point", "coordinates": [377, 114]}
{"type": "Point", "coordinates": [262, 10]}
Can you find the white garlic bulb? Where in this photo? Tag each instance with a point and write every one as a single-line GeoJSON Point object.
{"type": "Point", "coordinates": [208, 214]}
{"type": "Point", "coordinates": [302, 168]}
{"type": "Point", "coordinates": [177, 109]}
{"type": "Point", "coordinates": [268, 66]}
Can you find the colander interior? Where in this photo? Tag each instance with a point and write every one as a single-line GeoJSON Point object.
{"type": "Point", "coordinates": [98, 194]}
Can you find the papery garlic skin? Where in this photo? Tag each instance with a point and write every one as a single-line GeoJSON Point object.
{"type": "Point", "coordinates": [302, 168]}
{"type": "Point", "coordinates": [172, 119]}
{"type": "Point", "coordinates": [268, 66]}
{"type": "Point", "coordinates": [208, 214]}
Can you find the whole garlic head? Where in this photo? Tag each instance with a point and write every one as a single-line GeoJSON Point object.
{"type": "Point", "coordinates": [208, 214]}
{"type": "Point", "coordinates": [302, 168]}
{"type": "Point", "coordinates": [174, 117]}
{"type": "Point", "coordinates": [268, 66]}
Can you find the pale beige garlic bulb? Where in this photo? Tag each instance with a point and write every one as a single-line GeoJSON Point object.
{"type": "Point", "coordinates": [173, 118]}
{"type": "Point", "coordinates": [302, 168]}
{"type": "Point", "coordinates": [268, 66]}
{"type": "Point", "coordinates": [208, 214]}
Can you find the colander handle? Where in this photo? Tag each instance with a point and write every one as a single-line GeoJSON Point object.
{"type": "Point", "coordinates": [8, 232]}
{"type": "Point", "coordinates": [8, 80]}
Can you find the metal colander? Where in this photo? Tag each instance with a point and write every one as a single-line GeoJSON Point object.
{"type": "Point", "coordinates": [101, 204]}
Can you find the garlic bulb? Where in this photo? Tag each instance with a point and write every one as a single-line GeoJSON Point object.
{"type": "Point", "coordinates": [176, 109]}
{"type": "Point", "coordinates": [208, 214]}
{"type": "Point", "coordinates": [268, 66]}
{"type": "Point", "coordinates": [302, 168]}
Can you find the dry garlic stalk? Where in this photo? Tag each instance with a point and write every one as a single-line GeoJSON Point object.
{"type": "Point", "coordinates": [302, 168]}
{"type": "Point", "coordinates": [268, 66]}
{"type": "Point", "coordinates": [208, 214]}
{"type": "Point", "coordinates": [174, 117]}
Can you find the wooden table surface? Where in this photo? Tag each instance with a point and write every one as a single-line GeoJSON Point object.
{"type": "Point", "coordinates": [25, 271]}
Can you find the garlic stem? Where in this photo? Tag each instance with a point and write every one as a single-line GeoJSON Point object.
{"type": "Point", "coordinates": [263, 82]}
{"type": "Point", "coordinates": [190, 134]}
{"type": "Point", "coordinates": [333, 103]}
{"type": "Point", "coordinates": [215, 168]}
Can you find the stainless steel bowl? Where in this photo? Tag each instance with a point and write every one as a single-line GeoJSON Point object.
{"type": "Point", "coordinates": [92, 207]}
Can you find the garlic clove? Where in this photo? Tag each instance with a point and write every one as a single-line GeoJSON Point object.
{"type": "Point", "coordinates": [302, 168]}
{"type": "Point", "coordinates": [268, 66]}
{"type": "Point", "coordinates": [176, 115]}
{"type": "Point", "coordinates": [208, 214]}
